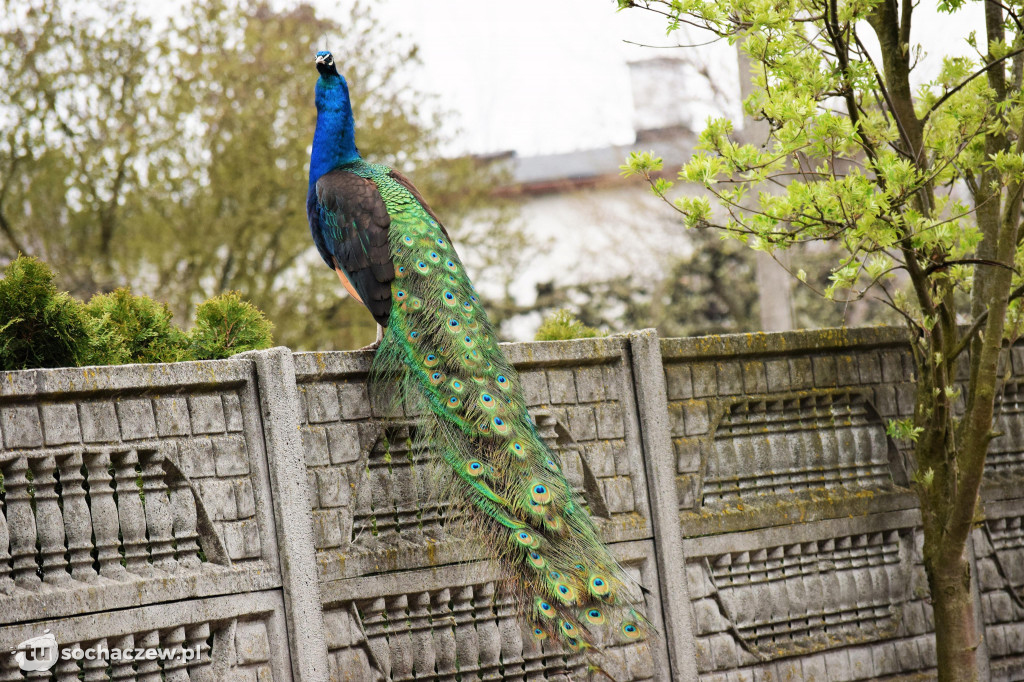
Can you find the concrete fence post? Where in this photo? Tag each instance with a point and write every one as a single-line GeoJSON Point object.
{"type": "Point", "coordinates": [660, 468]}
{"type": "Point", "coordinates": [275, 374]}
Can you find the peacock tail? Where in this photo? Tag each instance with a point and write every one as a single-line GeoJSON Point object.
{"type": "Point", "coordinates": [440, 347]}
{"type": "Point", "coordinates": [370, 225]}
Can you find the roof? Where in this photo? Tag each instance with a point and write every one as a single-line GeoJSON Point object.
{"type": "Point", "coordinates": [571, 171]}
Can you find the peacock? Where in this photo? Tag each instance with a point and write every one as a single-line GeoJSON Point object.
{"type": "Point", "coordinates": [393, 254]}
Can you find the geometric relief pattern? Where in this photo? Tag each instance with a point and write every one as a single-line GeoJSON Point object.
{"type": "Point", "coordinates": [1006, 452]}
{"type": "Point", "coordinates": [791, 599]}
{"type": "Point", "coordinates": [375, 492]}
{"type": "Point", "coordinates": [76, 513]}
{"type": "Point", "coordinates": [789, 445]}
{"type": "Point", "coordinates": [397, 498]}
{"type": "Point", "coordinates": [999, 551]}
{"type": "Point", "coordinates": [470, 632]}
{"type": "Point", "coordinates": [204, 638]}
{"type": "Point", "coordinates": [202, 651]}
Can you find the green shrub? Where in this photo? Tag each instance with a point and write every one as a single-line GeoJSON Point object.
{"type": "Point", "coordinates": [129, 329]}
{"type": "Point", "coordinates": [226, 325]}
{"type": "Point", "coordinates": [561, 325]}
{"type": "Point", "coordinates": [39, 326]}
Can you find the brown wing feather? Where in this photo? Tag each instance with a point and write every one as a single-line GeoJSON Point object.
{"type": "Point", "coordinates": [356, 235]}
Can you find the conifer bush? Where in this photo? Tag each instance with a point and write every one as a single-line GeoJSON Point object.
{"type": "Point", "coordinates": [39, 326]}
{"type": "Point", "coordinates": [561, 325]}
{"type": "Point", "coordinates": [43, 327]}
{"type": "Point", "coordinates": [133, 328]}
{"type": "Point", "coordinates": [226, 325]}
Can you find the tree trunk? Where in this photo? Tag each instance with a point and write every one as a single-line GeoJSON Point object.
{"type": "Point", "coordinates": [956, 633]}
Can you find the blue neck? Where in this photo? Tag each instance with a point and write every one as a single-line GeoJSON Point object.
{"type": "Point", "coordinates": [334, 142]}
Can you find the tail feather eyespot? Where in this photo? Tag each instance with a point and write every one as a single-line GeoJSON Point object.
{"type": "Point", "coordinates": [539, 634]}
{"type": "Point", "coordinates": [517, 450]}
{"type": "Point", "coordinates": [631, 631]}
{"type": "Point", "coordinates": [568, 628]}
{"type": "Point", "coordinates": [431, 361]}
{"type": "Point", "coordinates": [545, 608]}
{"type": "Point", "coordinates": [536, 560]}
{"type": "Point", "coordinates": [594, 616]}
{"type": "Point", "coordinates": [553, 523]}
{"type": "Point", "coordinates": [540, 493]}
{"type": "Point", "coordinates": [475, 468]}
{"type": "Point", "coordinates": [565, 593]}
{"type": "Point", "coordinates": [525, 539]}
{"type": "Point", "coordinates": [599, 585]}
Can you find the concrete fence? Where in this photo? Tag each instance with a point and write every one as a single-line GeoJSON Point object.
{"type": "Point", "coordinates": [259, 518]}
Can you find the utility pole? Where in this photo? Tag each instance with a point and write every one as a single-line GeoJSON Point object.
{"type": "Point", "coordinates": [774, 283]}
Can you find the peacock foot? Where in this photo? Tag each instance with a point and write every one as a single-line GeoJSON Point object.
{"type": "Point", "coordinates": [372, 346]}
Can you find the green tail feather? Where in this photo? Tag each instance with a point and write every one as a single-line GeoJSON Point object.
{"type": "Point", "coordinates": [440, 348]}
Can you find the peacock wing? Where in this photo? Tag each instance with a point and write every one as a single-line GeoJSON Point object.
{"type": "Point", "coordinates": [353, 225]}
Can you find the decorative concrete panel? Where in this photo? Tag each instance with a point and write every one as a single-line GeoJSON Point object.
{"type": "Point", "coordinates": [774, 445]}
{"type": "Point", "coordinates": [801, 538]}
{"type": "Point", "coordinates": [237, 637]}
{"type": "Point", "coordinates": [458, 623]}
{"type": "Point", "coordinates": [376, 510]}
{"type": "Point", "coordinates": [134, 505]}
{"type": "Point", "coordinates": [375, 502]}
{"type": "Point", "coordinates": [999, 557]}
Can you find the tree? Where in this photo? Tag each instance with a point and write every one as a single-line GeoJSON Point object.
{"type": "Point", "coordinates": [78, 118]}
{"type": "Point", "coordinates": [921, 186]}
{"type": "Point", "coordinates": [173, 159]}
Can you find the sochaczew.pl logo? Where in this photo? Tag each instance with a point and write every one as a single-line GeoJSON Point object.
{"type": "Point", "coordinates": [41, 653]}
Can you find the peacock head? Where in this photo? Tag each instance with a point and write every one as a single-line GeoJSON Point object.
{"type": "Point", "coordinates": [325, 64]}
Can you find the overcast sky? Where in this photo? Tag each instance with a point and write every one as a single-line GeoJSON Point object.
{"type": "Point", "coordinates": [550, 77]}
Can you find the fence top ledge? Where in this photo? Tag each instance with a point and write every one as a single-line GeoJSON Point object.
{"type": "Point", "coordinates": [781, 343]}
{"type": "Point", "coordinates": [71, 381]}
{"type": "Point", "coordinates": [574, 352]}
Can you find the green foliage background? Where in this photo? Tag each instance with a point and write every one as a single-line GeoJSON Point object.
{"type": "Point", "coordinates": [174, 158]}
